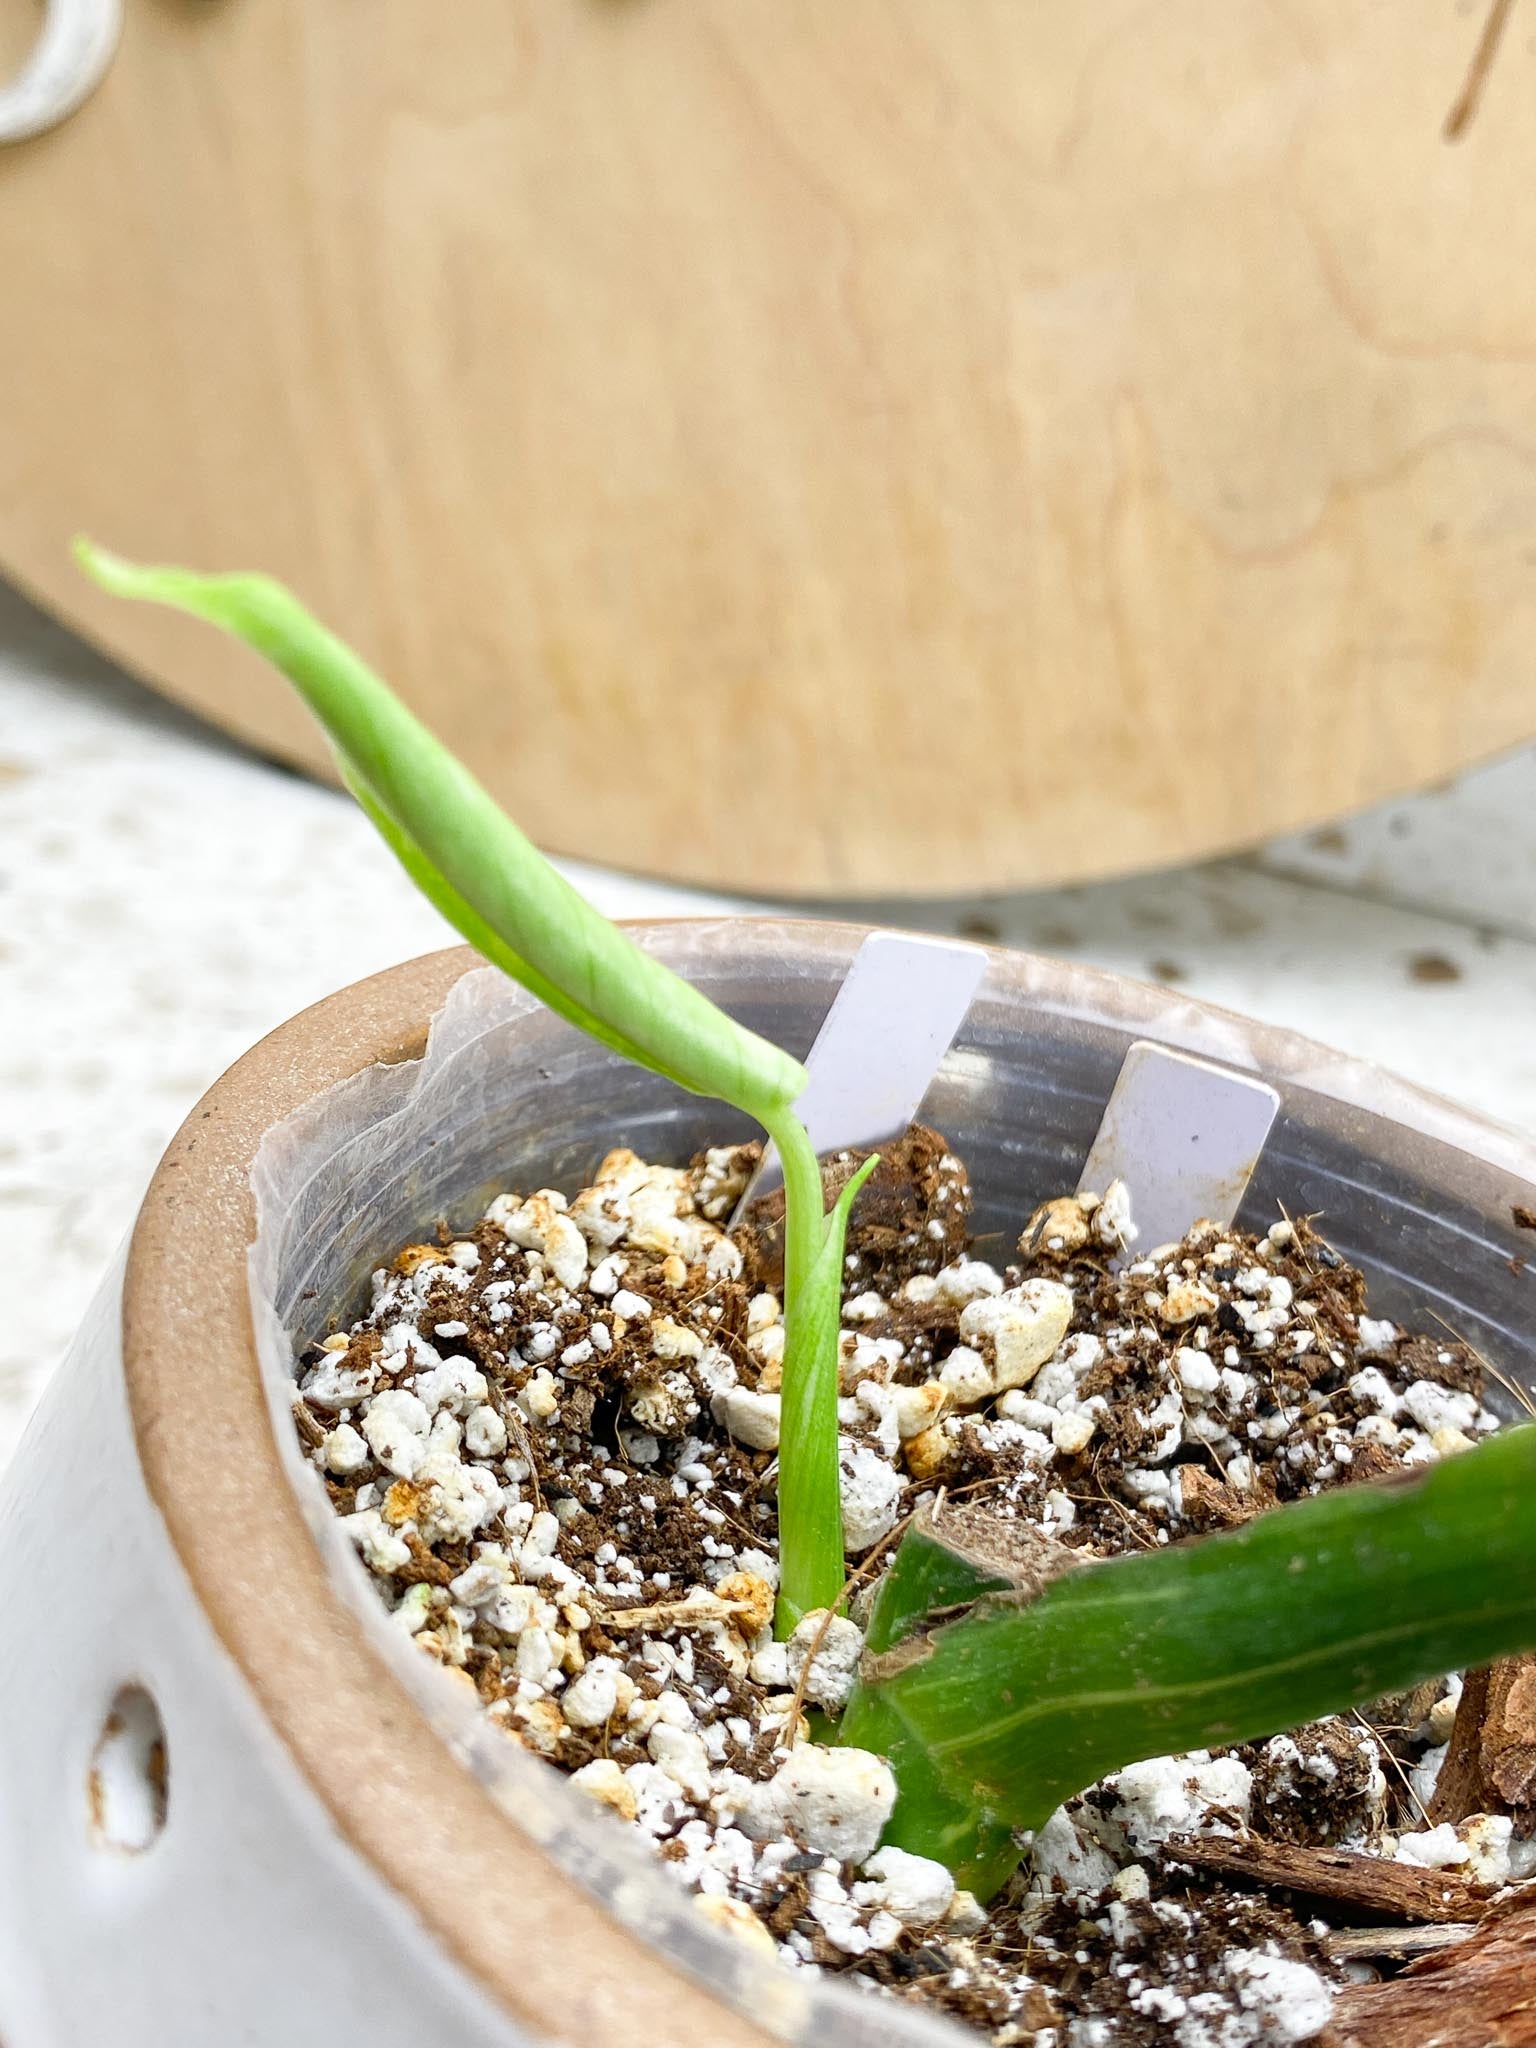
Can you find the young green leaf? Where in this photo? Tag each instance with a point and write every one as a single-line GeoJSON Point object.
{"type": "Point", "coordinates": [466, 842]}
{"type": "Point", "coordinates": [993, 1719]}
{"type": "Point", "coordinates": [470, 860]}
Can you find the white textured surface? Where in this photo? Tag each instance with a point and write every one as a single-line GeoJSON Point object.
{"type": "Point", "coordinates": [1466, 849]}
{"type": "Point", "coordinates": [166, 898]}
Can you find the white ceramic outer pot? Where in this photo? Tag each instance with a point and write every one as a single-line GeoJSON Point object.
{"type": "Point", "coordinates": [326, 1867]}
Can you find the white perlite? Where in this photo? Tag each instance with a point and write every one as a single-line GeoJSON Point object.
{"type": "Point", "coordinates": [592, 1698]}
{"type": "Point", "coordinates": [872, 1490]}
{"type": "Point", "coordinates": [1438, 1848]}
{"type": "Point", "coordinates": [1287, 2000]}
{"type": "Point", "coordinates": [837, 1645]}
{"type": "Point", "coordinates": [915, 1888]}
{"type": "Point", "coordinates": [1062, 1860]}
{"type": "Point", "coordinates": [835, 1800]}
{"type": "Point", "coordinates": [1176, 1795]}
{"type": "Point", "coordinates": [395, 1427]}
{"type": "Point", "coordinates": [344, 1451]}
{"type": "Point", "coordinates": [1017, 1330]}
{"type": "Point", "coordinates": [752, 1418]}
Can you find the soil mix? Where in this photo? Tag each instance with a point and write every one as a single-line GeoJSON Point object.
{"type": "Point", "coordinates": [552, 1437]}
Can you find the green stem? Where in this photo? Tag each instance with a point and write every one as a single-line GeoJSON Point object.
{"type": "Point", "coordinates": [811, 1566]}
{"type": "Point", "coordinates": [810, 1483]}
{"type": "Point", "coordinates": [805, 1221]}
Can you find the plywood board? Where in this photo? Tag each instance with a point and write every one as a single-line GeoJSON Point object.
{"type": "Point", "coordinates": [892, 446]}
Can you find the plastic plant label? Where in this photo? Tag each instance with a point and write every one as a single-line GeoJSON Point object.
{"type": "Point", "coordinates": [1184, 1135]}
{"type": "Point", "coordinates": [890, 1024]}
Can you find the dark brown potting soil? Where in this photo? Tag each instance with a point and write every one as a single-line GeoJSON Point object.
{"type": "Point", "coordinates": [552, 1437]}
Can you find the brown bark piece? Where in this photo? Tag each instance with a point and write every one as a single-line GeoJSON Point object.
{"type": "Point", "coordinates": [1459, 1787]}
{"type": "Point", "coordinates": [1509, 1732]}
{"type": "Point", "coordinates": [1479, 1994]}
{"type": "Point", "coordinates": [1374, 1461]}
{"type": "Point", "coordinates": [1367, 1884]}
{"type": "Point", "coordinates": [1402, 1712]}
{"type": "Point", "coordinates": [1211, 1503]}
{"type": "Point", "coordinates": [1490, 1765]}
{"type": "Point", "coordinates": [1392, 1944]}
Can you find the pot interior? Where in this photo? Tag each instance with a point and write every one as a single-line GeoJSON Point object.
{"type": "Point", "coordinates": [1421, 1196]}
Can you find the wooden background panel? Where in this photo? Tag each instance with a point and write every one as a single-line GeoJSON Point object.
{"type": "Point", "coordinates": [892, 447]}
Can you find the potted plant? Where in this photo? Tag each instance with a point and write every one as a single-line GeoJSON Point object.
{"type": "Point", "coordinates": [1000, 1670]}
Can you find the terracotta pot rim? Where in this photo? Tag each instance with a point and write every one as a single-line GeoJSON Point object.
{"type": "Point", "coordinates": [386, 1780]}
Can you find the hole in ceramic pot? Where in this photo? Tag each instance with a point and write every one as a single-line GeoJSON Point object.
{"type": "Point", "coordinates": [128, 1788]}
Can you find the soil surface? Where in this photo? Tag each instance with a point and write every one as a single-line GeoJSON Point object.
{"type": "Point", "coordinates": [553, 1439]}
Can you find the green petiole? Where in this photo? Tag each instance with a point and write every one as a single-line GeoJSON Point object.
{"type": "Point", "coordinates": [809, 1483]}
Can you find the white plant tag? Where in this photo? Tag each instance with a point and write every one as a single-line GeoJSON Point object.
{"type": "Point", "coordinates": [1184, 1135]}
{"type": "Point", "coordinates": [892, 1021]}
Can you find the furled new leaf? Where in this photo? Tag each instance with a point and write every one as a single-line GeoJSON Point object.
{"type": "Point", "coordinates": [467, 845]}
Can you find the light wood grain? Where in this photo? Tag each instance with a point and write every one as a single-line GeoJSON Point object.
{"type": "Point", "coordinates": [898, 446]}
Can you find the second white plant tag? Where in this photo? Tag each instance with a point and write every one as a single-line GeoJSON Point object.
{"type": "Point", "coordinates": [1184, 1135]}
